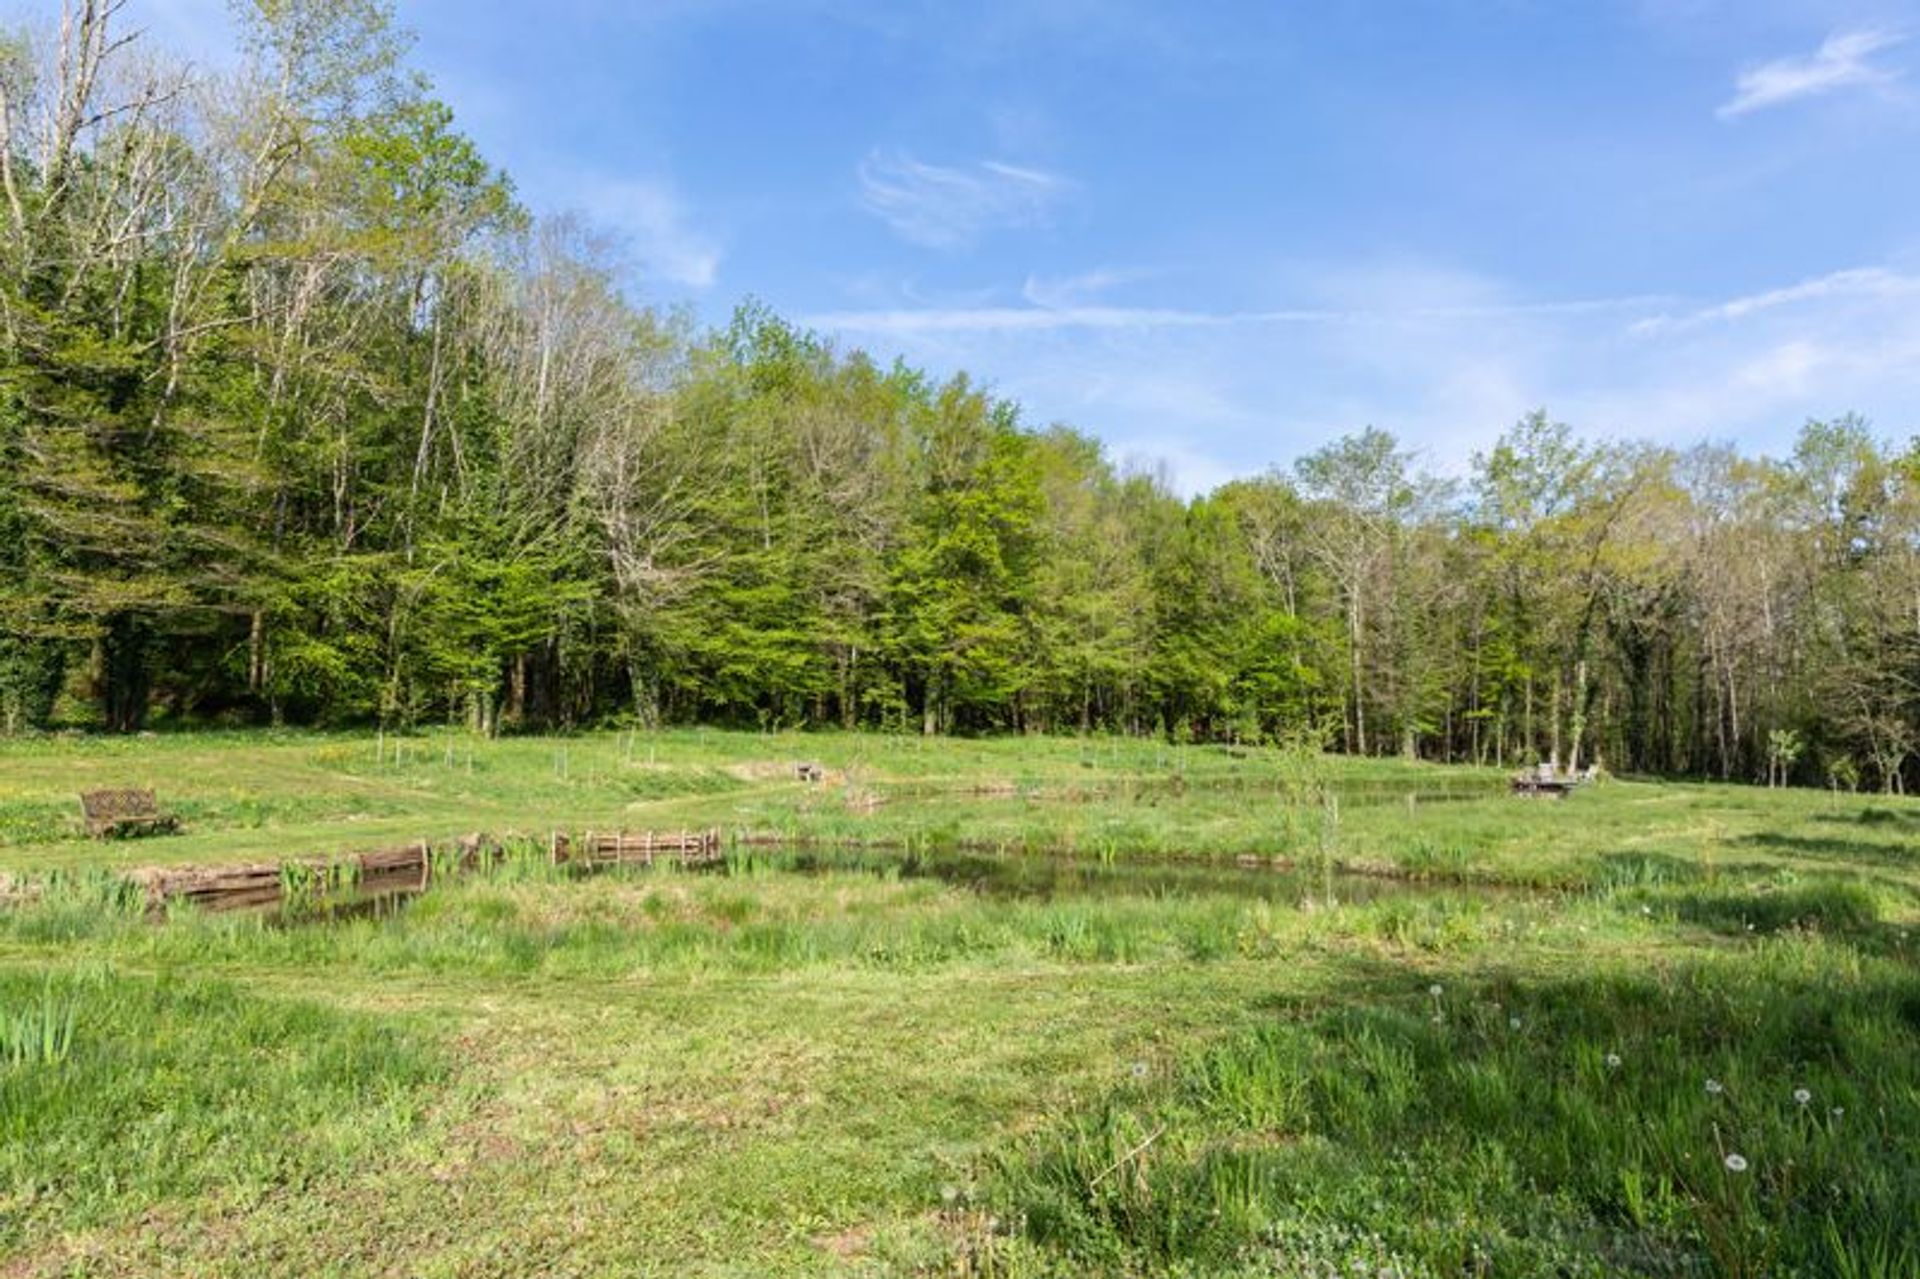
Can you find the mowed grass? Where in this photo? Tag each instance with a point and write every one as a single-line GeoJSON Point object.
{"type": "Point", "coordinates": [260, 794]}
{"type": "Point", "coordinates": [264, 795]}
{"type": "Point", "coordinates": [905, 1062]}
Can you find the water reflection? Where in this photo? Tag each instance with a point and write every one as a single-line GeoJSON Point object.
{"type": "Point", "coordinates": [1043, 877]}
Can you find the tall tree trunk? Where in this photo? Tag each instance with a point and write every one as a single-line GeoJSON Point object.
{"type": "Point", "coordinates": [125, 672]}
{"type": "Point", "coordinates": [1355, 628]}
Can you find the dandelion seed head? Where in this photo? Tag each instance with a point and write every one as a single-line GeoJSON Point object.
{"type": "Point", "coordinates": [1801, 1096]}
{"type": "Point", "coordinates": [1513, 1023]}
{"type": "Point", "coordinates": [1736, 1163]}
{"type": "Point", "coordinates": [1434, 990]}
{"type": "Point", "coordinates": [1139, 1070]}
{"type": "Point", "coordinates": [1839, 1111]}
{"type": "Point", "coordinates": [1714, 1088]}
{"type": "Point", "coordinates": [1613, 1061]}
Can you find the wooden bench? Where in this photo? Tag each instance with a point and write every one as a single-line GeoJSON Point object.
{"type": "Point", "coordinates": [116, 814]}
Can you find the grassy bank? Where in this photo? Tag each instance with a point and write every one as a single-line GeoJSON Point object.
{"type": "Point", "coordinates": [826, 1062]}
{"type": "Point", "coordinates": [259, 795]}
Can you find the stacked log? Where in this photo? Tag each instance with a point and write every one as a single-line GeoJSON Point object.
{"type": "Point", "coordinates": [403, 870]}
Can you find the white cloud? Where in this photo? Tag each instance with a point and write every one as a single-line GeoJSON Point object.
{"type": "Point", "coordinates": [1011, 319]}
{"type": "Point", "coordinates": [1841, 62]}
{"type": "Point", "coordinates": [1067, 292]}
{"type": "Point", "coordinates": [1444, 360]}
{"type": "Point", "coordinates": [654, 219]}
{"type": "Point", "coordinates": [1184, 469]}
{"type": "Point", "coordinates": [1856, 282]}
{"type": "Point", "coordinates": [950, 208]}
{"type": "Point", "coordinates": [1053, 310]}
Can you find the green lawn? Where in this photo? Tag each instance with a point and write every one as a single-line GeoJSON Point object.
{"type": "Point", "coordinates": [871, 1067]}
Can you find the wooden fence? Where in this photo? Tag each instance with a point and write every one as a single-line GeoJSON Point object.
{"type": "Point", "coordinates": [643, 848]}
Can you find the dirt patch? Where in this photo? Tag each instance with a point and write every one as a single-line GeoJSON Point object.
{"type": "Point", "coordinates": [848, 1245]}
{"type": "Point", "coordinates": [786, 770]}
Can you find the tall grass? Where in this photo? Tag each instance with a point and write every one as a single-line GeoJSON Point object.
{"type": "Point", "coordinates": [1134, 1062]}
{"type": "Point", "coordinates": [121, 1092]}
{"type": "Point", "coordinates": [1741, 1118]}
{"type": "Point", "coordinates": [39, 1032]}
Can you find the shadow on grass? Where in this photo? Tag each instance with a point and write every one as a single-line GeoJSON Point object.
{"type": "Point", "coordinates": [1847, 911]}
{"type": "Point", "coordinates": [1736, 1116]}
{"type": "Point", "coordinates": [1835, 849]}
{"type": "Point", "coordinates": [1872, 816]}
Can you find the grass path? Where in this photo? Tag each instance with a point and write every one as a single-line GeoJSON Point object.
{"type": "Point", "coordinates": [789, 1123]}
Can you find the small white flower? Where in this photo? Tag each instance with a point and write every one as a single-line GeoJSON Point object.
{"type": "Point", "coordinates": [1613, 1061]}
{"type": "Point", "coordinates": [1434, 990]}
{"type": "Point", "coordinates": [1736, 1163]}
{"type": "Point", "coordinates": [1713, 1088]}
{"type": "Point", "coordinates": [1801, 1096]}
{"type": "Point", "coordinates": [1513, 1023]}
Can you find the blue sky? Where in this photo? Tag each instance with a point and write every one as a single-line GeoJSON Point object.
{"type": "Point", "coordinates": [1220, 234]}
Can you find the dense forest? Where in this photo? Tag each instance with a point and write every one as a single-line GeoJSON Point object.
{"type": "Point", "coordinates": [304, 419]}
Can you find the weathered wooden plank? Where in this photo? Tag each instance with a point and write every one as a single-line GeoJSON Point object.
{"type": "Point", "coordinates": [404, 869]}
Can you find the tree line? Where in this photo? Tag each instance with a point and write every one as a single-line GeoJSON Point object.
{"type": "Point", "coordinates": [304, 419]}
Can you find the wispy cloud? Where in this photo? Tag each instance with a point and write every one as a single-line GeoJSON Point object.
{"type": "Point", "coordinates": [942, 207]}
{"type": "Point", "coordinates": [1013, 319]}
{"type": "Point", "coordinates": [1076, 290]}
{"type": "Point", "coordinates": [1854, 282]}
{"type": "Point", "coordinates": [1443, 359]}
{"type": "Point", "coordinates": [655, 221]}
{"type": "Point", "coordinates": [1841, 62]}
{"type": "Point", "coordinates": [900, 322]}
{"type": "Point", "coordinates": [1176, 463]}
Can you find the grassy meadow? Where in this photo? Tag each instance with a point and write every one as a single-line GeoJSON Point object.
{"type": "Point", "coordinates": [1655, 1029]}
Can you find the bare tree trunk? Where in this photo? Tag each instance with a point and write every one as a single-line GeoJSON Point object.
{"type": "Point", "coordinates": [1355, 629]}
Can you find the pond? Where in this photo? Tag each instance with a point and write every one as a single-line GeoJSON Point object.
{"type": "Point", "coordinates": [1029, 876]}
{"type": "Point", "coordinates": [1041, 876]}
